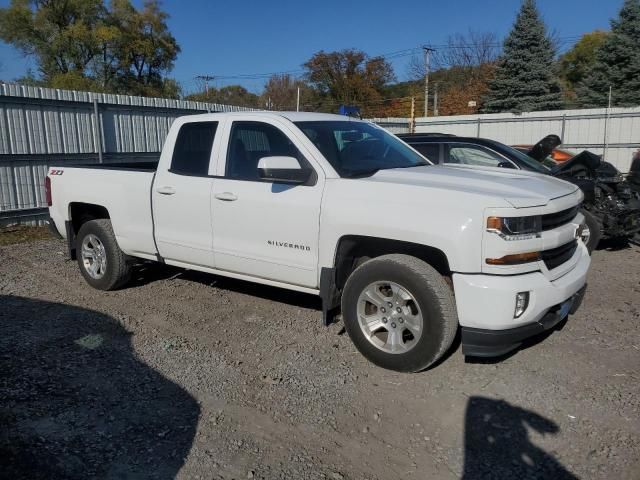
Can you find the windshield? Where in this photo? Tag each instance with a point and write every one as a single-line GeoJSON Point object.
{"type": "Point", "coordinates": [531, 163]}
{"type": "Point", "coordinates": [358, 148]}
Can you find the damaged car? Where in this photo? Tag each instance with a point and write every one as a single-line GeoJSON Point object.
{"type": "Point", "coordinates": [611, 207]}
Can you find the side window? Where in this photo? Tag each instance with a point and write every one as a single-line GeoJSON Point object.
{"type": "Point", "coordinates": [429, 150]}
{"type": "Point", "coordinates": [192, 151]}
{"type": "Point", "coordinates": [473, 155]}
{"type": "Point", "coordinates": [249, 142]}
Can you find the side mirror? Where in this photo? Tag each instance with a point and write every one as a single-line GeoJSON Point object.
{"type": "Point", "coordinates": [283, 170]}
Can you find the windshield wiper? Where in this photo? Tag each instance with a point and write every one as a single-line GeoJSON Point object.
{"type": "Point", "coordinates": [361, 173]}
{"type": "Point", "coordinates": [373, 171]}
{"type": "Point", "coordinates": [411, 166]}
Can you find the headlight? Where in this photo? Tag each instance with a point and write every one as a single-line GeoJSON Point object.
{"type": "Point", "coordinates": [516, 228]}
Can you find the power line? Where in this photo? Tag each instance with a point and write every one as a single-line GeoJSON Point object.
{"type": "Point", "coordinates": [388, 56]}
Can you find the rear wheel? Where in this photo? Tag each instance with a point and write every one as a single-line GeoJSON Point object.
{"type": "Point", "coordinates": [399, 312]}
{"type": "Point", "coordinates": [102, 264]}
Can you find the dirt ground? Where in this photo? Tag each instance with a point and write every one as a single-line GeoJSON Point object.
{"type": "Point", "coordinates": [193, 376]}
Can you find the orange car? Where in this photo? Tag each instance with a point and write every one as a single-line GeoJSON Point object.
{"type": "Point", "coordinates": [557, 154]}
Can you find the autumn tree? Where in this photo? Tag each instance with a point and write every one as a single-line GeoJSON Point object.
{"type": "Point", "coordinates": [617, 63]}
{"type": "Point", "coordinates": [348, 77]}
{"type": "Point", "coordinates": [462, 69]}
{"type": "Point", "coordinates": [82, 44]}
{"type": "Point", "coordinates": [525, 77]}
{"type": "Point", "coordinates": [281, 91]}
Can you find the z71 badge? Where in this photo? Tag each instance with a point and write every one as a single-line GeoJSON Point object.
{"type": "Point", "coordinates": [56, 172]}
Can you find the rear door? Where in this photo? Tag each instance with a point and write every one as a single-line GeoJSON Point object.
{"type": "Point", "coordinates": [262, 228]}
{"type": "Point", "coordinates": [182, 197]}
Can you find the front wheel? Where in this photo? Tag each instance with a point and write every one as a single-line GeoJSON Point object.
{"type": "Point", "coordinates": [102, 264]}
{"type": "Point", "coordinates": [399, 312]}
{"type": "Point", "coordinates": [591, 232]}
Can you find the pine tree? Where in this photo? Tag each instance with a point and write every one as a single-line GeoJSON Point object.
{"type": "Point", "coordinates": [525, 77]}
{"type": "Point", "coordinates": [617, 63]}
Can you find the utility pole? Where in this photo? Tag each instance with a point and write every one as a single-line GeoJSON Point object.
{"type": "Point", "coordinates": [435, 100]}
{"type": "Point", "coordinates": [427, 64]}
{"type": "Point", "coordinates": [298, 101]}
{"type": "Point", "coordinates": [412, 120]}
{"type": "Point", "coordinates": [206, 79]}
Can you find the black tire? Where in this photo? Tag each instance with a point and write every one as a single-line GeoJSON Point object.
{"type": "Point", "coordinates": [594, 229]}
{"type": "Point", "coordinates": [117, 271]}
{"type": "Point", "coordinates": [433, 296]}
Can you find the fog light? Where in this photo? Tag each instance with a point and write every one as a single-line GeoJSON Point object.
{"type": "Point", "coordinates": [522, 302]}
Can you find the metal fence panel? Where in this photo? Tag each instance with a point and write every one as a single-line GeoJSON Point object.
{"type": "Point", "coordinates": [579, 129]}
{"type": "Point", "coordinates": [41, 126]}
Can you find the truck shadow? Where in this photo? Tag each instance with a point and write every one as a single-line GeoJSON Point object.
{"type": "Point", "coordinates": [146, 273]}
{"type": "Point", "coordinates": [497, 443]}
{"type": "Point", "coordinates": [77, 403]}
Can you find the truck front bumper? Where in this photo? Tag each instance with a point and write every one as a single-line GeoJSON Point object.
{"type": "Point", "coordinates": [478, 342]}
{"type": "Point", "coordinates": [486, 306]}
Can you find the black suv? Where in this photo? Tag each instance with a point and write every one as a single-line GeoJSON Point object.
{"type": "Point", "coordinates": [611, 207]}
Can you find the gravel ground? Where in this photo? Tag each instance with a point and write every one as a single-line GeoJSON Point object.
{"type": "Point", "coordinates": [193, 376]}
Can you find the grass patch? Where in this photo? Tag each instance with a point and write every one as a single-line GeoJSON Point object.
{"type": "Point", "coordinates": [22, 234]}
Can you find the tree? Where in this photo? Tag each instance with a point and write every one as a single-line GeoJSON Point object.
{"type": "Point", "coordinates": [81, 44]}
{"type": "Point", "coordinates": [281, 91]}
{"type": "Point", "coordinates": [145, 49]}
{"type": "Point", "coordinates": [463, 98]}
{"type": "Point", "coordinates": [348, 77]}
{"type": "Point", "coordinates": [229, 95]}
{"type": "Point", "coordinates": [60, 35]}
{"type": "Point", "coordinates": [617, 63]}
{"type": "Point", "coordinates": [576, 63]}
{"type": "Point", "coordinates": [462, 70]}
{"type": "Point", "coordinates": [525, 79]}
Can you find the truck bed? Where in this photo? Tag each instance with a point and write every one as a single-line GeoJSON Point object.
{"type": "Point", "coordinates": [148, 166]}
{"type": "Point", "coordinates": [123, 189]}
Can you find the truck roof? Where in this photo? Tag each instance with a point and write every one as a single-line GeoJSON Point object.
{"type": "Point", "coordinates": [293, 116]}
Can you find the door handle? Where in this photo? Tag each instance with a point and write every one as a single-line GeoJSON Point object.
{"type": "Point", "coordinates": [166, 190]}
{"type": "Point", "coordinates": [226, 196]}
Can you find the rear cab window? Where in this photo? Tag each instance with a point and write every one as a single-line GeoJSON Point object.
{"type": "Point", "coordinates": [192, 151]}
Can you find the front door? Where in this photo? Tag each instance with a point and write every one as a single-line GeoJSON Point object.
{"type": "Point", "coordinates": [262, 228]}
{"type": "Point", "coordinates": [182, 198]}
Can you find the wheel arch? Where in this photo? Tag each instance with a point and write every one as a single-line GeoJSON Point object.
{"type": "Point", "coordinates": [79, 214]}
{"type": "Point", "coordinates": [351, 250]}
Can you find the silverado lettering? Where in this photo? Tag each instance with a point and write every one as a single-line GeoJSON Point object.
{"type": "Point", "coordinates": [275, 243]}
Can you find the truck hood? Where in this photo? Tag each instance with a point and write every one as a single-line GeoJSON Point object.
{"type": "Point", "coordinates": [519, 188]}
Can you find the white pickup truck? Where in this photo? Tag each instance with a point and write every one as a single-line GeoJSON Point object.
{"type": "Point", "coordinates": [340, 208]}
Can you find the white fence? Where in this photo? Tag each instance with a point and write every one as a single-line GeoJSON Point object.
{"type": "Point", "coordinates": [618, 129]}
